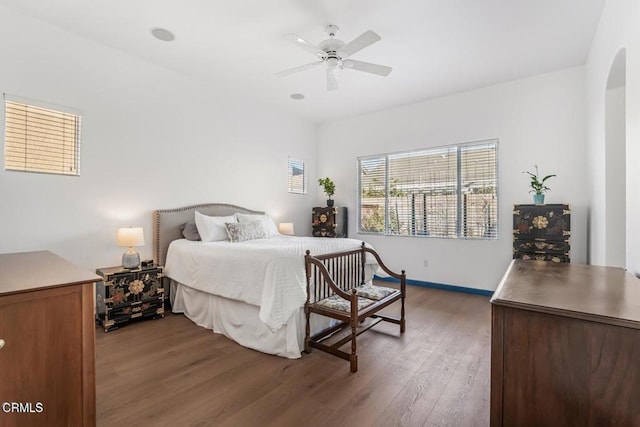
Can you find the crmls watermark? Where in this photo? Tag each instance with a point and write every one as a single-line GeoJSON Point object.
{"type": "Point", "coordinates": [22, 407]}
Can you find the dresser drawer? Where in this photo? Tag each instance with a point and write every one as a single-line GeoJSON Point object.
{"type": "Point", "coordinates": [127, 287]}
{"type": "Point", "coordinates": [123, 313]}
{"type": "Point", "coordinates": [550, 222]}
{"type": "Point", "coordinates": [542, 256]}
{"type": "Point", "coordinates": [541, 245]}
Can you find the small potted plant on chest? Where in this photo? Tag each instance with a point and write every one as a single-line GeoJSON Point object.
{"type": "Point", "coordinates": [538, 187]}
{"type": "Point", "coordinates": [329, 188]}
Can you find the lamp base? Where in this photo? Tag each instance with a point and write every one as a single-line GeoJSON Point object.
{"type": "Point", "coordinates": [131, 259]}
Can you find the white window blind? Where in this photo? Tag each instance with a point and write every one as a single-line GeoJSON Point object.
{"type": "Point", "coordinates": [479, 200]}
{"type": "Point", "coordinates": [373, 184]}
{"type": "Point", "coordinates": [297, 177]}
{"type": "Point", "coordinates": [446, 192]}
{"type": "Point", "coordinates": [39, 139]}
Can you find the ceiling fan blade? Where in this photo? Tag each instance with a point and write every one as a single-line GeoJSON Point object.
{"type": "Point", "coordinates": [363, 40]}
{"type": "Point", "coordinates": [332, 82]}
{"type": "Point", "coordinates": [299, 41]}
{"type": "Point", "coordinates": [367, 67]}
{"type": "Point", "coordinates": [297, 69]}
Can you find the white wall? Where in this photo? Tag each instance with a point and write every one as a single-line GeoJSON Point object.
{"type": "Point", "coordinates": [539, 120]}
{"type": "Point", "coordinates": [615, 198]}
{"type": "Point", "coordinates": [151, 139]}
{"type": "Point", "coordinates": [618, 29]}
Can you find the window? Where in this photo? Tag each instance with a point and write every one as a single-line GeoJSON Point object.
{"type": "Point", "coordinates": [39, 139]}
{"type": "Point", "coordinates": [297, 177]}
{"type": "Point", "coordinates": [448, 192]}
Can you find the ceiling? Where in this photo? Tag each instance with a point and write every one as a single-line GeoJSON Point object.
{"type": "Point", "coordinates": [436, 47]}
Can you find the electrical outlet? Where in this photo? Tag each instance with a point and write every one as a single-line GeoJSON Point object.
{"type": "Point", "coordinates": [425, 263]}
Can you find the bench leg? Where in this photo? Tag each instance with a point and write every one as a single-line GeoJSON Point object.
{"type": "Point", "coordinates": [354, 355]}
{"type": "Point", "coordinates": [402, 325]}
{"type": "Point", "coordinates": [307, 337]}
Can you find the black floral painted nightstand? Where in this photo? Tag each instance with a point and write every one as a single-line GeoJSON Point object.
{"type": "Point", "coordinates": [126, 294]}
{"type": "Point", "coordinates": [329, 222]}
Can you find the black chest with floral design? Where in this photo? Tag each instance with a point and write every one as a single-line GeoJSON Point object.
{"type": "Point", "coordinates": [542, 232]}
{"type": "Point", "coordinates": [329, 222]}
{"type": "Point", "coordinates": [125, 294]}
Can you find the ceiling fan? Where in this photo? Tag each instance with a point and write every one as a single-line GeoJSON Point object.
{"type": "Point", "coordinates": [334, 53]}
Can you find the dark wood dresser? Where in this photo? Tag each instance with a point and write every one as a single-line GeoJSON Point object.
{"type": "Point", "coordinates": [542, 232]}
{"type": "Point", "coordinates": [565, 346]}
{"type": "Point", "coordinates": [329, 222]}
{"type": "Point", "coordinates": [47, 337]}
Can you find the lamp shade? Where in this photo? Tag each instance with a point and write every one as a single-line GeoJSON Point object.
{"type": "Point", "coordinates": [130, 236]}
{"type": "Point", "coordinates": [286, 228]}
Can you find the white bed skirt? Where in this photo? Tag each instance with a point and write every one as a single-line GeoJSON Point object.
{"type": "Point", "coordinates": [240, 321]}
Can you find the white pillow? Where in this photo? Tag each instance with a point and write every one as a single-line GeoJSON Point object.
{"type": "Point", "coordinates": [211, 228]}
{"type": "Point", "coordinates": [270, 228]}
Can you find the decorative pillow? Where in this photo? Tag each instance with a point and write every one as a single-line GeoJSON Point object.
{"type": "Point", "coordinates": [190, 231]}
{"type": "Point", "coordinates": [270, 228]}
{"type": "Point", "coordinates": [211, 228]}
{"type": "Point", "coordinates": [239, 232]}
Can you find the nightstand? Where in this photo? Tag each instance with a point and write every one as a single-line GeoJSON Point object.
{"type": "Point", "coordinates": [329, 222]}
{"type": "Point", "coordinates": [124, 295]}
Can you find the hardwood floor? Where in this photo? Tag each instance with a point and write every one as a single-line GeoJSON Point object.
{"type": "Point", "coordinates": [171, 372]}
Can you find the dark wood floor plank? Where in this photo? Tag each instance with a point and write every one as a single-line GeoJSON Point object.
{"type": "Point", "coordinates": [415, 402]}
{"type": "Point", "coordinates": [368, 403]}
{"type": "Point", "coordinates": [299, 382]}
{"type": "Point", "coordinates": [468, 387]}
{"type": "Point", "coordinates": [171, 372]}
{"type": "Point", "coordinates": [444, 342]}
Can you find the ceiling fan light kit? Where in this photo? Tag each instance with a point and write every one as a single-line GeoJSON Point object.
{"type": "Point", "coordinates": [333, 52]}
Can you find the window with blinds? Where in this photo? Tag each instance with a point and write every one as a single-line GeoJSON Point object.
{"type": "Point", "coordinates": [39, 139]}
{"type": "Point", "coordinates": [448, 192]}
{"type": "Point", "coordinates": [297, 177]}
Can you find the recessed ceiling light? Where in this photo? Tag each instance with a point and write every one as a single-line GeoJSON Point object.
{"type": "Point", "coordinates": [162, 34]}
{"type": "Point", "coordinates": [297, 96]}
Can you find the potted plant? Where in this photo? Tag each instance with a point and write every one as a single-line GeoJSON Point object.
{"type": "Point", "coordinates": [329, 188]}
{"type": "Point", "coordinates": [538, 188]}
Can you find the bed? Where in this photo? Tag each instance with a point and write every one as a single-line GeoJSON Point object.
{"type": "Point", "coordinates": [253, 291]}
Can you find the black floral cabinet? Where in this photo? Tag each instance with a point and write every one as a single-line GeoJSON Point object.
{"type": "Point", "coordinates": [125, 294]}
{"type": "Point", "coordinates": [329, 222]}
{"type": "Point", "coordinates": [542, 232]}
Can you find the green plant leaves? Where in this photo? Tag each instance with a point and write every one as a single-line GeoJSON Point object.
{"type": "Point", "coordinates": [537, 185]}
{"type": "Point", "coordinates": [328, 185]}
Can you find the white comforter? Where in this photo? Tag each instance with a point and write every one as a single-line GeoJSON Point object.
{"type": "Point", "coordinates": [268, 273]}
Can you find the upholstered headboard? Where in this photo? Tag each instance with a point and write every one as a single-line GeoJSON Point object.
{"type": "Point", "coordinates": [167, 222]}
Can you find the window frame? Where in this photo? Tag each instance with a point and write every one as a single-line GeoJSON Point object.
{"type": "Point", "coordinates": [54, 108]}
{"type": "Point", "coordinates": [459, 225]}
{"type": "Point", "coordinates": [305, 176]}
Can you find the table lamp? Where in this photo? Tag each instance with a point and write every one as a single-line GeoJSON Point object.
{"type": "Point", "coordinates": [286, 228]}
{"type": "Point", "coordinates": [130, 237]}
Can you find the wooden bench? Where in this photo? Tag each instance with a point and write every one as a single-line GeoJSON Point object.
{"type": "Point", "coordinates": [336, 288]}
